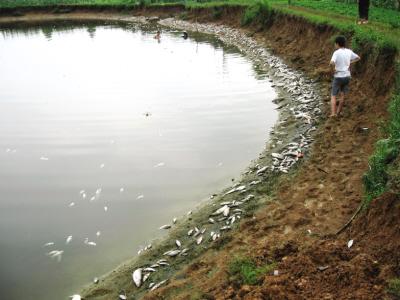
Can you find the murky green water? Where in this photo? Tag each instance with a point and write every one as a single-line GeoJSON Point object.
{"type": "Point", "coordinates": [157, 126]}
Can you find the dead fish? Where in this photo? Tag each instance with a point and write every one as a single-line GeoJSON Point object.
{"type": "Point", "coordinates": [184, 251]}
{"type": "Point", "coordinates": [95, 280]}
{"type": "Point", "coordinates": [154, 266]}
{"type": "Point", "coordinates": [203, 230]}
{"type": "Point", "coordinates": [222, 210]}
{"type": "Point", "coordinates": [137, 277]}
{"type": "Point", "coordinates": [174, 220]}
{"type": "Point", "coordinates": [172, 253]}
{"type": "Point", "coordinates": [163, 264]}
{"type": "Point", "coordinates": [165, 227]}
{"type": "Point", "coordinates": [350, 243]}
{"type": "Point", "coordinates": [161, 260]}
{"type": "Point", "coordinates": [158, 285]}
{"type": "Point", "coordinates": [211, 220]}
{"type": "Point", "coordinates": [151, 285]}
{"type": "Point", "coordinates": [199, 240]}
{"type": "Point", "coordinates": [76, 297]}
{"type": "Point", "coordinates": [149, 269]}
{"type": "Point", "coordinates": [225, 228]}
{"type": "Point", "coordinates": [146, 276]}
{"type": "Point", "coordinates": [48, 244]}
{"type": "Point", "coordinates": [249, 197]}
{"type": "Point", "coordinates": [190, 232]}
{"type": "Point", "coordinates": [178, 243]}
{"type": "Point", "coordinates": [68, 240]}
{"type": "Point", "coordinates": [122, 297]}
{"type": "Point", "coordinates": [278, 156]}
{"type": "Point", "coordinates": [255, 182]}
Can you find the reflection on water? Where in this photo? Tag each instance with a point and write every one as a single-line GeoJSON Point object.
{"type": "Point", "coordinates": [105, 135]}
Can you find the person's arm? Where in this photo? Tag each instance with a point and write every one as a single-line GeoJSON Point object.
{"type": "Point", "coordinates": [354, 58]}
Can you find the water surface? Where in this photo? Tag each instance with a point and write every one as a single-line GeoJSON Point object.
{"type": "Point", "coordinates": [157, 126]}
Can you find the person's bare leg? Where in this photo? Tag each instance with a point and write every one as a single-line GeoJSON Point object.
{"type": "Point", "coordinates": [341, 103]}
{"type": "Point", "coordinates": [333, 106]}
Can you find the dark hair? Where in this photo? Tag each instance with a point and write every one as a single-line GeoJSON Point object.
{"type": "Point", "coordinates": [341, 41]}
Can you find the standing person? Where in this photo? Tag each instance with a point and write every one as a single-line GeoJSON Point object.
{"type": "Point", "coordinates": [363, 10]}
{"type": "Point", "coordinates": [341, 60]}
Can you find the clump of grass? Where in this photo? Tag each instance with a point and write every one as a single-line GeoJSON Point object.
{"type": "Point", "coordinates": [386, 152]}
{"type": "Point", "coordinates": [243, 270]}
{"type": "Point", "coordinates": [394, 286]}
{"type": "Point", "coordinates": [259, 12]}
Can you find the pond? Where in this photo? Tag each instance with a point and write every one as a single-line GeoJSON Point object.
{"type": "Point", "coordinates": [107, 133]}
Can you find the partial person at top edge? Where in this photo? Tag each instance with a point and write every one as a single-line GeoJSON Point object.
{"type": "Point", "coordinates": [341, 60]}
{"type": "Point", "coordinates": [363, 11]}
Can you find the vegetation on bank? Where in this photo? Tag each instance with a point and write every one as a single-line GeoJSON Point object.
{"type": "Point", "coordinates": [382, 36]}
{"type": "Point", "coordinates": [394, 286]}
{"type": "Point", "coordinates": [243, 270]}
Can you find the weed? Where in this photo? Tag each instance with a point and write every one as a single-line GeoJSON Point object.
{"type": "Point", "coordinates": [259, 12]}
{"type": "Point", "coordinates": [394, 286]}
{"type": "Point", "coordinates": [243, 270]}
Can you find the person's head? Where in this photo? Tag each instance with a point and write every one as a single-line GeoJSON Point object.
{"type": "Point", "coordinates": [340, 42]}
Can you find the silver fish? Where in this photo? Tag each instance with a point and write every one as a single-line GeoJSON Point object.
{"type": "Point", "coordinates": [137, 277]}
{"type": "Point", "coordinates": [165, 227]}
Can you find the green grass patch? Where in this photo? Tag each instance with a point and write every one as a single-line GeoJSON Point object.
{"type": "Point", "coordinates": [382, 167]}
{"type": "Point", "coordinates": [243, 270]}
{"type": "Point", "coordinates": [394, 286]}
{"type": "Point", "coordinates": [259, 12]}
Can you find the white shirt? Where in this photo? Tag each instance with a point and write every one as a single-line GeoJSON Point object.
{"type": "Point", "coordinates": [342, 58]}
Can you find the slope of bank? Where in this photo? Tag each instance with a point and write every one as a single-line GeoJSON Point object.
{"type": "Point", "coordinates": [287, 249]}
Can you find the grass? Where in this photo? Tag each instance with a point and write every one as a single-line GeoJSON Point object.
{"type": "Point", "coordinates": [243, 270]}
{"type": "Point", "coordinates": [394, 286]}
{"type": "Point", "coordinates": [382, 167]}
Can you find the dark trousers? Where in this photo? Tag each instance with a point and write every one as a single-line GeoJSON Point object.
{"type": "Point", "coordinates": [363, 9]}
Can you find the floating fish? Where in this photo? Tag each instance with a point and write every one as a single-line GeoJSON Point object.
{"type": "Point", "coordinates": [165, 227]}
{"type": "Point", "coordinates": [56, 254]}
{"type": "Point", "coordinates": [140, 197]}
{"type": "Point", "coordinates": [137, 277]}
{"type": "Point", "coordinates": [121, 190]}
{"type": "Point", "coordinates": [96, 280]}
{"type": "Point", "coordinates": [161, 164]}
{"type": "Point", "coordinates": [71, 204]}
{"type": "Point", "coordinates": [76, 297]}
{"type": "Point", "coordinates": [44, 158]}
{"type": "Point", "coordinates": [68, 240]}
{"type": "Point", "coordinates": [48, 244]}
{"type": "Point", "coordinates": [105, 208]}
{"type": "Point", "coordinates": [98, 233]}
{"type": "Point", "coordinates": [102, 166]}
{"type": "Point", "coordinates": [174, 220]}
{"type": "Point", "coordinates": [178, 243]}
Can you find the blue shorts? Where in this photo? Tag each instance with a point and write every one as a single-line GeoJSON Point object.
{"type": "Point", "coordinates": [340, 85]}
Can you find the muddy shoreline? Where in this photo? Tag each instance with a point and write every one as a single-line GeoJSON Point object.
{"type": "Point", "coordinates": [300, 110]}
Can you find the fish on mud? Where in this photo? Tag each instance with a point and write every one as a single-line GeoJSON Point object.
{"type": "Point", "coordinates": [178, 243]}
{"type": "Point", "coordinates": [199, 240]}
{"type": "Point", "coordinates": [137, 277]}
{"type": "Point", "coordinates": [172, 253]}
{"type": "Point", "coordinates": [156, 286]}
